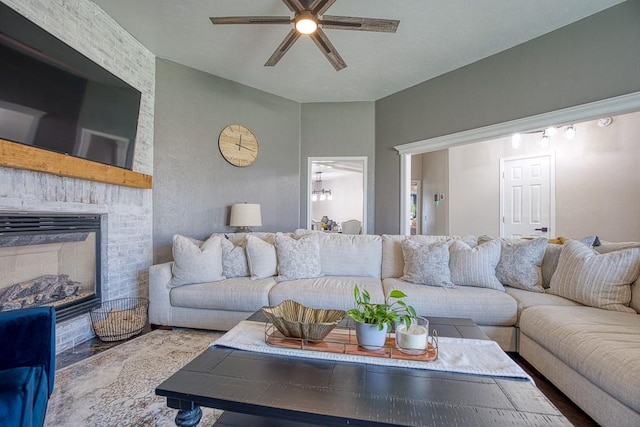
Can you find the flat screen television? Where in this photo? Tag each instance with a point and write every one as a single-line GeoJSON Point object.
{"type": "Point", "coordinates": [53, 97]}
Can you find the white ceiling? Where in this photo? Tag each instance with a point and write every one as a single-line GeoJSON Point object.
{"type": "Point", "coordinates": [334, 169]}
{"type": "Point", "coordinates": [434, 37]}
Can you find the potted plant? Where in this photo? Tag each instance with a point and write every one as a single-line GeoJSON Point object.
{"type": "Point", "coordinates": [373, 321]}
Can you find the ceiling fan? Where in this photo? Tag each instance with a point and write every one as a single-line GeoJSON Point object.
{"type": "Point", "coordinates": [309, 19]}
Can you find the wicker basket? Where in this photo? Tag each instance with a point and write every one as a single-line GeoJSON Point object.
{"type": "Point", "coordinates": [119, 319]}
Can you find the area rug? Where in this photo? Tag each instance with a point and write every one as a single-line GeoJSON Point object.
{"type": "Point", "coordinates": [117, 386]}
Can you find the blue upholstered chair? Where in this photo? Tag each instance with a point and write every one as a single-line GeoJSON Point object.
{"type": "Point", "coordinates": [27, 365]}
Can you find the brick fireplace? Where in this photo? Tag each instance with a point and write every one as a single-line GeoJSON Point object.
{"type": "Point", "coordinates": [125, 212]}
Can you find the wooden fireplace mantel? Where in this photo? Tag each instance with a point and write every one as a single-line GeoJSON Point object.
{"type": "Point", "coordinates": [22, 156]}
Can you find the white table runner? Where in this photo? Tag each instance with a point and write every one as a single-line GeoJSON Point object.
{"type": "Point", "coordinates": [460, 355]}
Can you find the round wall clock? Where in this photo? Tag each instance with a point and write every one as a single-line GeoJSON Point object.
{"type": "Point", "coordinates": [238, 145]}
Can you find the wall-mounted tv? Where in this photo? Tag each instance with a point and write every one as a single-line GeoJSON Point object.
{"type": "Point", "coordinates": [53, 97]}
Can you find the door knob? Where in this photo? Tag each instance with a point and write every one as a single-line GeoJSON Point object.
{"type": "Point", "coordinates": [543, 229]}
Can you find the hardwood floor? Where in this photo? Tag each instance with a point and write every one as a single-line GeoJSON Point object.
{"type": "Point", "coordinates": [575, 415]}
{"type": "Point", "coordinates": [88, 349]}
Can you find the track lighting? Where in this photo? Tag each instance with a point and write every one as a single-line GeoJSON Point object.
{"type": "Point", "coordinates": [570, 132]}
{"type": "Point", "coordinates": [516, 140]}
{"type": "Point", "coordinates": [544, 141]}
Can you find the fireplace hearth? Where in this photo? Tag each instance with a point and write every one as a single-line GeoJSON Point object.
{"type": "Point", "coordinates": [50, 259]}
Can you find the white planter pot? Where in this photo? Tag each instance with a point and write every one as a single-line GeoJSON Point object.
{"type": "Point", "coordinates": [370, 337]}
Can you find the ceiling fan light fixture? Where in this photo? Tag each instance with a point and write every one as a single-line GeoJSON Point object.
{"type": "Point", "coordinates": [306, 23]}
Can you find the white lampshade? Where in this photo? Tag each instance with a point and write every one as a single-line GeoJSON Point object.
{"type": "Point", "coordinates": [245, 215]}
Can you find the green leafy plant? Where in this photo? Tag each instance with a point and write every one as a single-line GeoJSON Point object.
{"type": "Point", "coordinates": [381, 314]}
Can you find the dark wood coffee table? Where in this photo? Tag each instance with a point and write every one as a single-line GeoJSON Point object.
{"type": "Point", "coordinates": [257, 389]}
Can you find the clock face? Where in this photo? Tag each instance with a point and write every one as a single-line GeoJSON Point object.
{"type": "Point", "coordinates": [238, 145]}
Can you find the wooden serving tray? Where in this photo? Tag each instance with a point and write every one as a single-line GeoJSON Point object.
{"type": "Point", "coordinates": [343, 340]}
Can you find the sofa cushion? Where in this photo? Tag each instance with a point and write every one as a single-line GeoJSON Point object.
{"type": "Point", "coordinates": [234, 259]}
{"type": "Point", "coordinates": [194, 262]}
{"type": "Point", "coordinates": [484, 306]}
{"type": "Point", "coordinates": [526, 299]}
{"type": "Point", "coordinates": [601, 345]}
{"type": "Point", "coordinates": [350, 254]}
{"type": "Point", "coordinates": [392, 258]}
{"type": "Point", "coordinates": [596, 280]}
{"type": "Point", "coordinates": [426, 264]}
{"type": "Point", "coordinates": [261, 257]}
{"type": "Point", "coordinates": [237, 294]}
{"type": "Point", "coordinates": [298, 258]}
{"type": "Point", "coordinates": [552, 256]}
{"type": "Point", "coordinates": [326, 292]}
{"type": "Point", "coordinates": [607, 247]}
{"type": "Point", "coordinates": [519, 262]}
{"type": "Point", "coordinates": [635, 295]}
{"type": "Point", "coordinates": [241, 238]}
{"type": "Point", "coordinates": [475, 266]}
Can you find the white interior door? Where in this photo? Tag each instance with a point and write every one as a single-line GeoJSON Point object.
{"type": "Point", "coordinates": [527, 195]}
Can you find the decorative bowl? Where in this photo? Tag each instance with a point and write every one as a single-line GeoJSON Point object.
{"type": "Point", "coordinates": [295, 320]}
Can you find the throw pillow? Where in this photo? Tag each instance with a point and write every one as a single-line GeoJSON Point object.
{"type": "Point", "coordinates": [519, 262]}
{"type": "Point", "coordinates": [606, 247]}
{"type": "Point", "coordinates": [393, 260]}
{"type": "Point", "coordinates": [597, 280]}
{"type": "Point", "coordinates": [475, 266]}
{"type": "Point", "coordinates": [426, 239]}
{"type": "Point", "coordinates": [194, 262]}
{"type": "Point", "coordinates": [261, 257]}
{"type": "Point", "coordinates": [552, 256]}
{"type": "Point", "coordinates": [298, 259]}
{"type": "Point", "coordinates": [350, 254]}
{"type": "Point", "coordinates": [234, 260]}
{"type": "Point", "coordinates": [426, 264]}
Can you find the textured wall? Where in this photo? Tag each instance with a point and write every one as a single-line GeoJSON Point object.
{"type": "Point", "coordinates": [593, 59]}
{"type": "Point", "coordinates": [128, 218]}
{"type": "Point", "coordinates": [338, 129]}
{"type": "Point", "coordinates": [194, 186]}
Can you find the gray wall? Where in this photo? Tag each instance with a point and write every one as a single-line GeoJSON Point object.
{"type": "Point", "coordinates": [337, 130]}
{"type": "Point", "coordinates": [593, 59]}
{"type": "Point", "coordinates": [193, 185]}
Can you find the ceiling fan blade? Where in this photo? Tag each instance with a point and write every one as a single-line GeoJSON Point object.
{"type": "Point", "coordinates": [250, 20]}
{"type": "Point", "coordinates": [359, 24]}
{"type": "Point", "coordinates": [288, 41]}
{"type": "Point", "coordinates": [319, 7]}
{"type": "Point", "coordinates": [322, 41]}
{"type": "Point", "coordinates": [294, 5]}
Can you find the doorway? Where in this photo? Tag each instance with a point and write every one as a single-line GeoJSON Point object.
{"type": "Point", "coordinates": [527, 195]}
{"type": "Point", "coordinates": [336, 191]}
{"type": "Point", "coordinates": [415, 211]}
{"type": "Point", "coordinates": [573, 197]}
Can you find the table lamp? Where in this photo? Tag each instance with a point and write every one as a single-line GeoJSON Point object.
{"type": "Point", "coordinates": [245, 215]}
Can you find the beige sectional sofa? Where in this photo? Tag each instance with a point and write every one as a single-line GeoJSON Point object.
{"type": "Point", "coordinates": [591, 354]}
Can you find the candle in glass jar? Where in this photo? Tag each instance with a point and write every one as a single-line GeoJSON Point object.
{"type": "Point", "coordinates": [414, 337]}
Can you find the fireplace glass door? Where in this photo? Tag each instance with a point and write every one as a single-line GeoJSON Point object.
{"type": "Point", "coordinates": [50, 261]}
